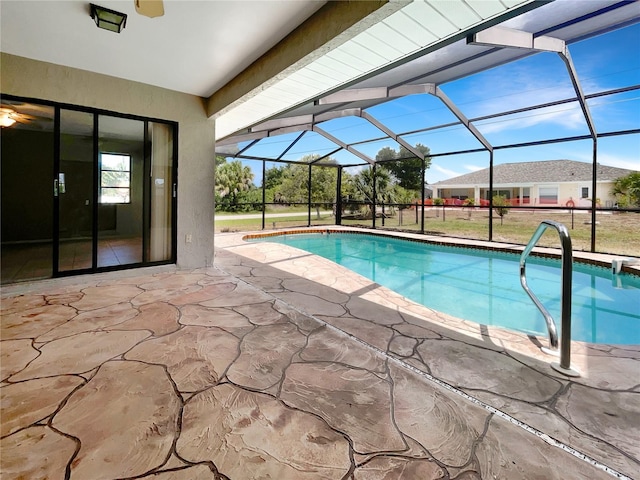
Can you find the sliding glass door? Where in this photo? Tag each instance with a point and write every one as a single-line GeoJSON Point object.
{"type": "Point", "coordinates": [121, 191]}
{"type": "Point", "coordinates": [74, 195]}
{"type": "Point", "coordinates": [27, 158]}
{"type": "Point", "coordinates": [86, 191]}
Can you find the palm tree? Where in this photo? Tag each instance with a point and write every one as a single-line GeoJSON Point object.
{"type": "Point", "coordinates": [232, 178]}
{"type": "Point", "coordinates": [363, 185]}
{"type": "Point", "coordinates": [627, 190]}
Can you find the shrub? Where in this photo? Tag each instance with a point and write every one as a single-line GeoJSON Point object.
{"type": "Point", "coordinates": [500, 206]}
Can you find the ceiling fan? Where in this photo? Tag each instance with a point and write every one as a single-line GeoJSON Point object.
{"type": "Point", "coordinates": [150, 8]}
{"type": "Point", "coordinates": [15, 112]}
{"type": "Point", "coordinates": [9, 116]}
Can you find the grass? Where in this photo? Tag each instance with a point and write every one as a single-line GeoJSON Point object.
{"type": "Point", "coordinates": [223, 224]}
{"type": "Point", "coordinates": [615, 233]}
{"type": "Point", "coordinates": [301, 209]}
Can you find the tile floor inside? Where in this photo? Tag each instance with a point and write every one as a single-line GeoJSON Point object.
{"type": "Point", "coordinates": [26, 261]}
{"type": "Point", "coordinates": [281, 365]}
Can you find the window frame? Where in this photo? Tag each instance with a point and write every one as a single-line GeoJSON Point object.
{"type": "Point", "coordinates": [548, 199]}
{"type": "Point", "coordinates": [584, 192]}
{"type": "Point", "coordinates": [102, 169]}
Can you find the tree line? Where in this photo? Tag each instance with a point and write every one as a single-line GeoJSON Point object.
{"type": "Point", "coordinates": [398, 180]}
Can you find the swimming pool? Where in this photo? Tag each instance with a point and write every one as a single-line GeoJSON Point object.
{"type": "Point", "coordinates": [483, 286]}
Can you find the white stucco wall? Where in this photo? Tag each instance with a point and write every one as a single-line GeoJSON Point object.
{"type": "Point", "coordinates": [45, 81]}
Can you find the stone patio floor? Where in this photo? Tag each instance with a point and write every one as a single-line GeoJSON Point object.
{"type": "Point", "coordinates": [276, 364]}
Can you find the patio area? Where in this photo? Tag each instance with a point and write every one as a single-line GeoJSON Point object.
{"type": "Point", "coordinates": [280, 364]}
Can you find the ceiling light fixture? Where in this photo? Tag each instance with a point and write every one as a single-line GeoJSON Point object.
{"type": "Point", "coordinates": [5, 117]}
{"type": "Point", "coordinates": [108, 19]}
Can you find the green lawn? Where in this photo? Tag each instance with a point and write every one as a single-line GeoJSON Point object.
{"type": "Point", "coordinates": [223, 224]}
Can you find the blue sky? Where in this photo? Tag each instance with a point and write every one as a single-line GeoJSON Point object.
{"type": "Point", "coordinates": [605, 62]}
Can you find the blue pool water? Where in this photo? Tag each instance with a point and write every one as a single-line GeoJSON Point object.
{"type": "Point", "coordinates": [484, 286]}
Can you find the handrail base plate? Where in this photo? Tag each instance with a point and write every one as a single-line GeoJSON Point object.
{"type": "Point", "coordinates": [569, 372]}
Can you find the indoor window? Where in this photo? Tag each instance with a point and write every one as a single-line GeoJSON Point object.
{"type": "Point", "coordinates": [115, 178]}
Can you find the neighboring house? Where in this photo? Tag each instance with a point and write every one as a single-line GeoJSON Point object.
{"type": "Point", "coordinates": [549, 182]}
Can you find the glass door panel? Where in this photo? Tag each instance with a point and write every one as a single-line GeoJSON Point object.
{"type": "Point", "coordinates": [27, 192]}
{"type": "Point", "coordinates": [160, 137]}
{"type": "Point", "coordinates": [75, 191]}
{"type": "Point", "coordinates": [120, 191]}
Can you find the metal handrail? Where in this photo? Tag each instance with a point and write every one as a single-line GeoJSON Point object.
{"type": "Point", "coordinates": [565, 299]}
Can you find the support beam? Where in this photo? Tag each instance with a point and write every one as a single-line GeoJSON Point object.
{"type": "Point", "coordinates": [251, 144]}
{"type": "Point", "coordinates": [354, 95]}
{"type": "Point", "coordinates": [456, 111]}
{"type": "Point", "coordinates": [347, 112]}
{"type": "Point", "coordinates": [254, 136]}
{"type": "Point", "coordinates": [282, 123]}
{"type": "Point", "coordinates": [242, 137]}
{"type": "Point", "coordinates": [301, 122]}
{"type": "Point", "coordinates": [339, 196]}
{"type": "Point", "coordinates": [509, 37]}
{"type": "Point", "coordinates": [264, 193]}
{"type": "Point", "coordinates": [227, 150]}
{"type": "Point", "coordinates": [339, 142]}
{"type": "Point", "coordinates": [291, 145]}
{"type": "Point", "coordinates": [392, 135]}
{"type": "Point", "coordinates": [566, 58]}
{"type": "Point", "coordinates": [292, 129]}
{"type": "Point", "coordinates": [375, 93]}
{"type": "Point", "coordinates": [318, 160]}
{"type": "Point", "coordinates": [309, 196]}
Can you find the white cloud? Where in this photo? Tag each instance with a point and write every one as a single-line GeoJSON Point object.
{"type": "Point", "coordinates": [611, 160]}
{"type": "Point", "coordinates": [436, 173]}
{"type": "Point", "coordinates": [619, 161]}
{"type": "Point", "coordinates": [514, 86]}
{"type": "Point", "coordinates": [517, 86]}
{"type": "Point", "coordinates": [445, 171]}
{"type": "Point", "coordinates": [474, 168]}
{"type": "Point", "coordinates": [568, 116]}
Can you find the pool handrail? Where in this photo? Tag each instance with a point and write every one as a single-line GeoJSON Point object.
{"type": "Point", "coordinates": [564, 366]}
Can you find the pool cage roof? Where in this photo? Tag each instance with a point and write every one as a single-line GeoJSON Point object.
{"type": "Point", "coordinates": [351, 123]}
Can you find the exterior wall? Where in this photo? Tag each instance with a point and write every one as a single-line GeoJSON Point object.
{"type": "Point", "coordinates": [566, 192]}
{"type": "Point", "coordinates": [603, 192]}
{"type": "Point", "coordinates": [45, 81]}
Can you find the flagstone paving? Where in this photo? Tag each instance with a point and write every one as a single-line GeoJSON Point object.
{"type": "Point", "coordinates": [273, 365]}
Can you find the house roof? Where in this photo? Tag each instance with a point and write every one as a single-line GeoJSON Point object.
{"type": "Point", "coordinates": [546, 171]}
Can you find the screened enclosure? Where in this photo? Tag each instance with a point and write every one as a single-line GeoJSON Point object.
{"type": "Point", "coordinates": [535, 118]}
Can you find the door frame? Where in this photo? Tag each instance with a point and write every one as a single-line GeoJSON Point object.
{"type": "Point", "coordinates": [58, 106]}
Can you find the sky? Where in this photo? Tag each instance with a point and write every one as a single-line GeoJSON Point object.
{"type": "Point", "coordinates": [603, 63]}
